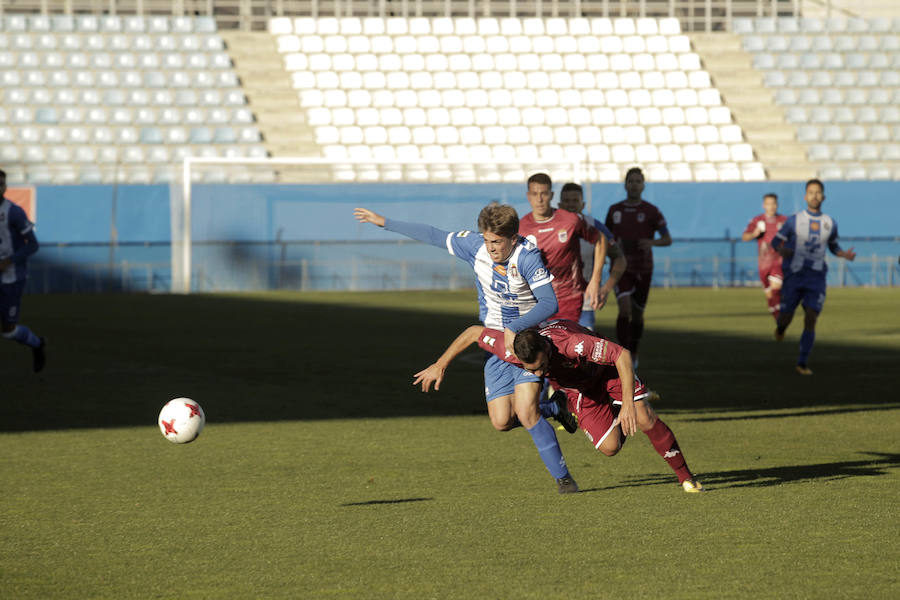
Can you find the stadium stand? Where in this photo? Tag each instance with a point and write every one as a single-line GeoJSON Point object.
{"type": "Point", "coordinates": [608, 92]}
{"type": "Point", "coordinates": [837, 82]}
{"type": "Point", "coordinates": [100, 99]}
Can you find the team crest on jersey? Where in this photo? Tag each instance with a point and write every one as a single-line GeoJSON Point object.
{"type": "Point", "coordinates": [562, 236]}
{"type": "Point", "coordinates": [640, 217]}
{"type": "Point", "coordinates": [540, 274]}
{"type": "Point", "coordinates": [617, 217]}
{"type": "Point", "coordinates": [814, 225]}
{"type": "Point", "coordinates": [500, 269]}
{"type": "Point", "coordinates": [513, 271]}
{"type": "Point", "coordinates": [599, 351]}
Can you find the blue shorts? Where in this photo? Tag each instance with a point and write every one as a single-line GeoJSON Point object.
{"type": "Point", "coordinates": [805, 287]}
{"type": "Point", "coordinates": [501, 378]}
{"type": "Point", "coordinates": [10, 299]}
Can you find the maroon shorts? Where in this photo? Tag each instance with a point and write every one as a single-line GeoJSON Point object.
{"type": "Point", "coordinates": [768, 272]}
{"type": "Point", "coordinates": [598, 418]}
{"type": "Point", "coordinates": [636, 285]}
{"type": "Point", "coordinates": [569, 308]}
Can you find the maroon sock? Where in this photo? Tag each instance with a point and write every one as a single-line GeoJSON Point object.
{"type": "Point", "coordinates": [666, 445]}
{"type": "Point", "coordinates": [623, 332]}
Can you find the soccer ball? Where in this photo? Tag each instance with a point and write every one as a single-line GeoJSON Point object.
{"type": "Point", "coordinates": [181, 420]}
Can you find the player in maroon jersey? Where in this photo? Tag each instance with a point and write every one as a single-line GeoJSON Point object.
{"type": "Point", "coordinates": [597, 377]}
{"type": "Point", "coordinates": [558, 235]}
{"type": "Point", "coordinates": [763, 228]}
{"type": "Point", "coordinates": [634, 223]}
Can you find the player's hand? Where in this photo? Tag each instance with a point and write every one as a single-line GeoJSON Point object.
{"type": "Point", "coordinates": [592, 294]}
{"type": "Point", "coordinates": [509, 336]}
{"type": "Point", "coordinates": [645, 244]}
{"type": "Point", "coordinates": [433, 374]}
{"type": "Point", "coordinates": [849, 254]}
{"type": "Point", "coordinates": [786, 252]}
{"type": "Point", "coordinates": [364, 215]}
{"type": "Point", "coordinates": [628, 418]}
{"type": "Point", "coordinates": [602, 295]}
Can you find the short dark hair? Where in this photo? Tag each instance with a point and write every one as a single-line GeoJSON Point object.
{"type": "Point", "coordinates": [572, 187]}
{"type": "Point", "coordinates": [501, 219]}
{"type": "Point", "coordinates": [540, 178]}
{"type": "Point", "coordinates": [634, 170]}
{"type": "Point", "coordinates": [528, 343]}
{"type": "Point", "coordinates": [2, 173]}
{"type": "Point", "coordinates": [816, 181]}
{"type": "Point", "coordinates": [771, 195]}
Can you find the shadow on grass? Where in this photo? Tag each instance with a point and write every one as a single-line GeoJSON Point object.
{"type": "Point", "coordinates": [114, 360]}
{"type": "Point", "coordinates": [400, 501]}
{"type": "Point", "coordinates": [766, 477]}
{"type": "Point", "coordinates": [793, 413]}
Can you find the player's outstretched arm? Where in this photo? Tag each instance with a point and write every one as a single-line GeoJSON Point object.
{"type": "Point", "coordinates": [616, 270]}
{"type": "Point", "coordinates": [434, 373]}
{"type": "Point", "coordinates": [364, 215]}
{"type": "Point", "coordinates": [627, 414]}
{"type": "Point", "coordinates": [848, 254]}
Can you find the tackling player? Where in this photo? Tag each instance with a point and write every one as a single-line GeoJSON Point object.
{"type": "Point", "coordinates": [514, 294]}
{"type": "Point", "coordinates": [634, 223]}
{"type": "Point", "coordinates": [571, 198]}
{"type": "Point", "coordinates": [763, 228]}
{"type": "Point", "coordinates": [597, 377]}
{"type": "Point", "coordinates": [558, 234]}
{"type": "Point", "coordinates": [17, 243]}
{"type": "Point", "coordinates": [802, 241]}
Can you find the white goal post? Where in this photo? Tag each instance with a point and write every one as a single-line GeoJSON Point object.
{"type": "Point", "coordinates": [296, 170]}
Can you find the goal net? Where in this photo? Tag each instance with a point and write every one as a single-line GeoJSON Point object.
{"type": "Point", "coordinates": [287, 223]}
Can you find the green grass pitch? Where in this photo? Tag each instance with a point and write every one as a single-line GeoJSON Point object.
{"type": "Point", "coordinates": [322, 473]}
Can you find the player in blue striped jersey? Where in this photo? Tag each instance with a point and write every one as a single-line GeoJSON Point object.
{"type": "Point", "coordinates": [801, 241]}
{"type": "Point", "coordinates": [17, 243]}
{"type": "Point", "coordinates": [513, 295]}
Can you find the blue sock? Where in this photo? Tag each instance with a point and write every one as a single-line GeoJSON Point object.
{"type": "Point", "coordinates": [545, 407]}
{"type": "Point", "coordinates": [548, 447]}
{"type": "Point", "coordinates": [587, 318]}
{"type": "Point", "coordinates": [806, 343]}
{"type": "Point", "coordinates": [23, 335]}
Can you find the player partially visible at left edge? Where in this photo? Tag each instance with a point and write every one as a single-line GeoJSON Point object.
{"type": "Point", "coordinates": [17, 243]}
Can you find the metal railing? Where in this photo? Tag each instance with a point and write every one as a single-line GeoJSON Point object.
{"type": "Point", "coordinates": [393, 265]}
{"type": "Point", "coordinates": [253, 15]}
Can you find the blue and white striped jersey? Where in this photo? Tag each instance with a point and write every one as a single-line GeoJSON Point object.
{"type": "Point", "coordinates": [808, 234]}
{"type": "Point", "coordinates": [505, 290]}
{"type": "Point", "coordinates": [14, 226]}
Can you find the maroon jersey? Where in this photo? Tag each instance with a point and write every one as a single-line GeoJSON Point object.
{"type": "Point", "coordinates": [768, 257]}
{"type": "Point", "coordinates": [558, 239]}
{"type": "Point", "coordinates": [630, 223]}
{"type": "Point", "coordinates": [581, 359]}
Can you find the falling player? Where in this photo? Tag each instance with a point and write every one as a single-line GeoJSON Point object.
{"type": "Point", "coordinates": [17, 243]}
{"type": "Point", "coordinates": [763, 228]}
{"type": "Point", "coordinates": [558, 235]}
{"type": "Point", "coordinates": [597, 377]}
{"type": "Point", "coordinates": [514, 294]}
{"type": "Point", "coordinates": [802, 241]}
{"type": "Point", "coordinates": [571, 198]}
{"type": "Point", "coordinates": [634, 223]}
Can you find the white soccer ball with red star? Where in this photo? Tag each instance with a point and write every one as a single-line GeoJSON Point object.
{"type": "Point", "coordinates": [181, 420]}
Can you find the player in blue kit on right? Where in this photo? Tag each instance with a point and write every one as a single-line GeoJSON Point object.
{"type": "Point", "coordinates": [802, 241]}
{"type": "Point", "coordinates": [17, 243]}
{"type": "Point", "coordinates": [514, 293]}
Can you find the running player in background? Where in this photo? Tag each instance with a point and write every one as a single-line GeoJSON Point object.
{"type": "Point", "coordinates": [597, 376]}
{"type": "Point", "coordinates": [558, 235]}
{"type": "Point", "coordinates": [763, 228]}
{"type": "Point", "coordinates": [17, 244]}
{"type": "Point", "coordinates": [571, 198]}
{"type": "Point", "coordinates": [634, 223]}
{"type": "Point", "coordinates": [802, 241]}
{"type": "Point", "coordinates": [514, 293]}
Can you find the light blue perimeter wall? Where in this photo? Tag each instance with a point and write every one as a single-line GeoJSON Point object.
{"type": "Point", "coordinates": [336, 252]}
{"type": "Point", "coordinates": [295, 212]}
